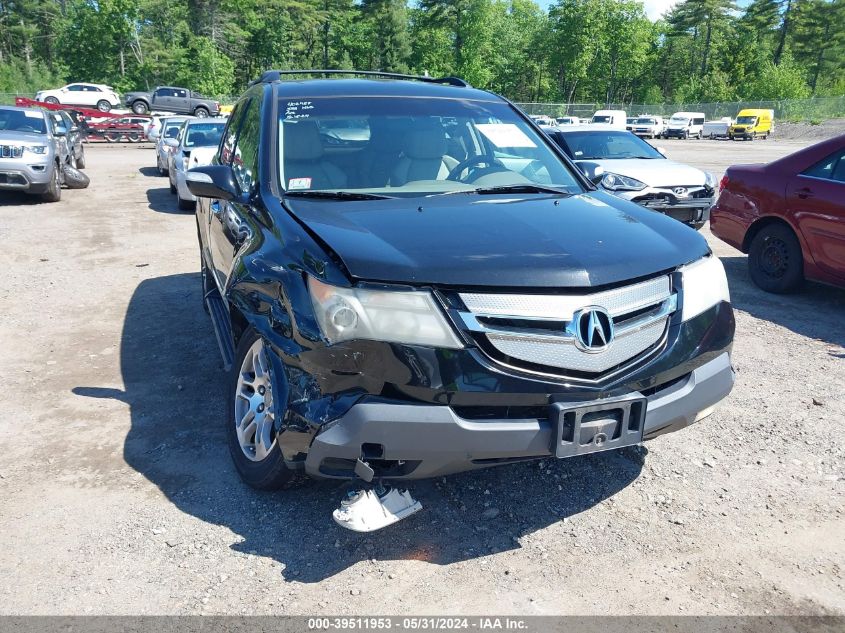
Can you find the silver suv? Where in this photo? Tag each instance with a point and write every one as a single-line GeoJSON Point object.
{"type": "Point", "coordinates": [32, 152]}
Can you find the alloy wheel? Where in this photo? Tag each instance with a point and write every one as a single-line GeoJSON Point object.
{"type": "Point", "coordinates": [254, 415]}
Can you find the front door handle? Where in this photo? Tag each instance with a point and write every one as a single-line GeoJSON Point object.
{"type": "Point", "coordinates": [805, 193]}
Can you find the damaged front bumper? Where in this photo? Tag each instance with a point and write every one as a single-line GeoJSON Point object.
{"type": "Point", "coordinates": [415, 412]}
{"type": "Point", "coordinates": [419, 441]}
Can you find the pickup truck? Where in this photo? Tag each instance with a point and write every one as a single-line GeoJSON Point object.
{"type": "Point", "coordinates": [170, 99]}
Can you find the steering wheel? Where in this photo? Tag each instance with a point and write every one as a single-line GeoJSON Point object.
{"type": "Point", "coordinates": [481, 159]}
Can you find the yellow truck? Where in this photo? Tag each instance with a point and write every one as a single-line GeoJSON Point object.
{"type": "Point", "coordinates": [752, 123]}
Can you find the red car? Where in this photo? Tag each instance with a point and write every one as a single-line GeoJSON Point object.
{"type": "Point", "coordinates": [788, 215]}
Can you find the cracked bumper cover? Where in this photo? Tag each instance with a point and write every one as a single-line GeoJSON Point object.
{"type": "Point", "coordinates": [442, 442]}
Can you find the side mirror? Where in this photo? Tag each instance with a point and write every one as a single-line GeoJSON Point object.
{"type": "Point", "coordinates": [213, 181]}
{"type": "Point", "coordinates": [592, 171]}
{"type": "Point", "coordinates": [61, 130]}
{"type": "Point", "coordinates": [74, 129]}
{"type": "Point", "coordinates": [171, 142]}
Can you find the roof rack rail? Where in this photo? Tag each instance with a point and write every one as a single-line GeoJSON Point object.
{"type": "Point", "coordinates": [270, 76]}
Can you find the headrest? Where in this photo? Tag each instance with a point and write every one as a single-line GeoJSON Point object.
{"type": "Point", "coordinates": [197, 138]}
{"type": "Point", "coordinates": [302, 140]}
{"type": "Point", "coordinates": [425, 141]}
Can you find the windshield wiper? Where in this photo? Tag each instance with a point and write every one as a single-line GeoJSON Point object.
{"type": "Point", "coordinates": [338, 195]}
{"type": "Point", "coordinates": [522, 188]}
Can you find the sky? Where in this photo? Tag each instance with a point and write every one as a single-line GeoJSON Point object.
{"type": "Point", "coordinates": [653, 8]}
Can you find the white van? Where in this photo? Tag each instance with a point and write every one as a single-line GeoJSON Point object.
{"type": "Point", "coordinates": [685, 125]}
{"type": "Point", "coordinates": [614, 118]}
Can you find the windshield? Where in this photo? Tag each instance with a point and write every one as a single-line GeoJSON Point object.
{"type": "Point", "coordinates": [426, 146]}
{"type": "Point", "coordinates": [31, 121]}
{"type": "Point", "coordinates": [645, 121]}
{"type": "Point", "coordinates": [589, 145]}
{"type": "Point", "coordinates": [746, 120]}
{"type": "Point", "coordinates": [679, 120]}
{"type": "Point", "coordinates": [603, 118]}
{"type": "Point", "coordinates": [204, 134]}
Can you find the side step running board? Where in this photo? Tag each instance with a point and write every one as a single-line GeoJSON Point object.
{"type": "Point", "coordinates": [222, 328]}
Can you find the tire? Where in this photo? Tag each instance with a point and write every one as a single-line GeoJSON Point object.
{"type": "Point", "coordinates": [139, 107]}
{"type": "Point", "coordinates": [172, 187]}
{"type": "Point", "coordinates": [112, 137]}
{"type": "Point", "coordinates": [161, 170]}
{"type": "Point", "coordinates": [103, 105]}
{"type": "Point", "coordinates": [80, 162]}
{"type": "Point", "coordinates": [260, 467]}
{"type": "Point", "coordinates": [54, 192]}
{"type": "Point", "coordinates": [775, 261]}
{"type": "Point", "coordinates": [753, 136]}
{"type": "Point", "coordinates": [51, 100]}
{"type": "Point", "coordinates": [75, 179]}
{"type": "Point", "coordinates": [201, 113]}
{"type": "Point", "coordinates": [133, 137]}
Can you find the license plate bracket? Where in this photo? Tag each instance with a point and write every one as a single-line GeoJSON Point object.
{"type": "Point", "coordinates": [599, 426]}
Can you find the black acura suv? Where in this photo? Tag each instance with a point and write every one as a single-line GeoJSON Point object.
{"type": "Point", "coordinates": [406, 278]}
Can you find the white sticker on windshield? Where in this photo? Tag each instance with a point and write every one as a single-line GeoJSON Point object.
{"type": "Point", "coordinates": [33, 115]}
{"type": "Point", "coordinates": [299, 183]}
{"type": "Point", "coordinates": [505, 135]}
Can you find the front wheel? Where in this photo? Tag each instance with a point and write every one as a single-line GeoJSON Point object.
{"type": "Point", "coordinates": [139, 107]}
{"type": "Point", "coordinates": [54, 191]}
{"type": "Point", "coordinates": [103, 105]}
{"type": "Point", "coordinates": [775, 261]}
{"type": "Point", "coordinates": [251, 415]}
{"type": "Point", "coordinates": [80, 162]}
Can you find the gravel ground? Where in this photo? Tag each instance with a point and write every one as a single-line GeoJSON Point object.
{"type": "Point", "coordinates": [117, 495]}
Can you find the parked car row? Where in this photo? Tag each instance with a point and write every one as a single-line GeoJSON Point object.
{"type": "Point", "coordinates": [40, 152]}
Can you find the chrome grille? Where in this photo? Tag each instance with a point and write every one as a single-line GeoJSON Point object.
{"type": "Point", "coordinates": [11, 151]}
{"type": "Point", "coordinates": [538, 329]}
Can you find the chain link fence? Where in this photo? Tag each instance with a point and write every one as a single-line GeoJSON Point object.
{"type": "Point", "coordinates": [816, 109]}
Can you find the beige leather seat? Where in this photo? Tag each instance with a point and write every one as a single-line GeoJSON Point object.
{"type": "Point", "coordinates": [304, 157]}
{"type": "Point", "coordinates": [424, 156]}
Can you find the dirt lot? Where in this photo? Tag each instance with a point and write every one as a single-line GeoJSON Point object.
{"type": "Point", "coordinates": [117, 494]}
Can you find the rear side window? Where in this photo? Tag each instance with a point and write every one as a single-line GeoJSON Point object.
{"type": "Point", "coordinates": [245, 158]}
{"type": "Point", "coordinates": [829, 168]}
{"type": "Point", "coordinates": [698, 121]}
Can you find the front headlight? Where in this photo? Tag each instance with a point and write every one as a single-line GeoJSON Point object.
{"type": "Point", "coordinates": [704, 285]}
{"type": "Point", "coordinates": [36, 149]}
{"type": "Point", "coordinates": [617, 182]}
{"type": "Point", "coordinates": [393, 316]}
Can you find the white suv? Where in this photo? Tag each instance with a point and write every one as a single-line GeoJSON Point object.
{"type": "Point", "coordinates": [99, 96]}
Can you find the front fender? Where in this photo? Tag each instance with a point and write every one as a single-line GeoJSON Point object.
{"type": "Point", "coordinates": [267, 289]}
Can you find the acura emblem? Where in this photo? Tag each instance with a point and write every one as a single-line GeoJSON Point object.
{"type": "Point", "coordinates": [593, 329]}
{"type": "Point", "coordinates": [680, 191]}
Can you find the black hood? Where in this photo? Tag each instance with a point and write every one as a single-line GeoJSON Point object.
{"type": "Point", "coordinates": [592, 239]}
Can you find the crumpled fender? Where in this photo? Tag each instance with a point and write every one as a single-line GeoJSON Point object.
{"type": "Point", "coordinates": [274, 300]}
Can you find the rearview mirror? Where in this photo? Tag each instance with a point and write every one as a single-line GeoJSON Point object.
{"type": "Point", "coordinates": [213, 181]}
